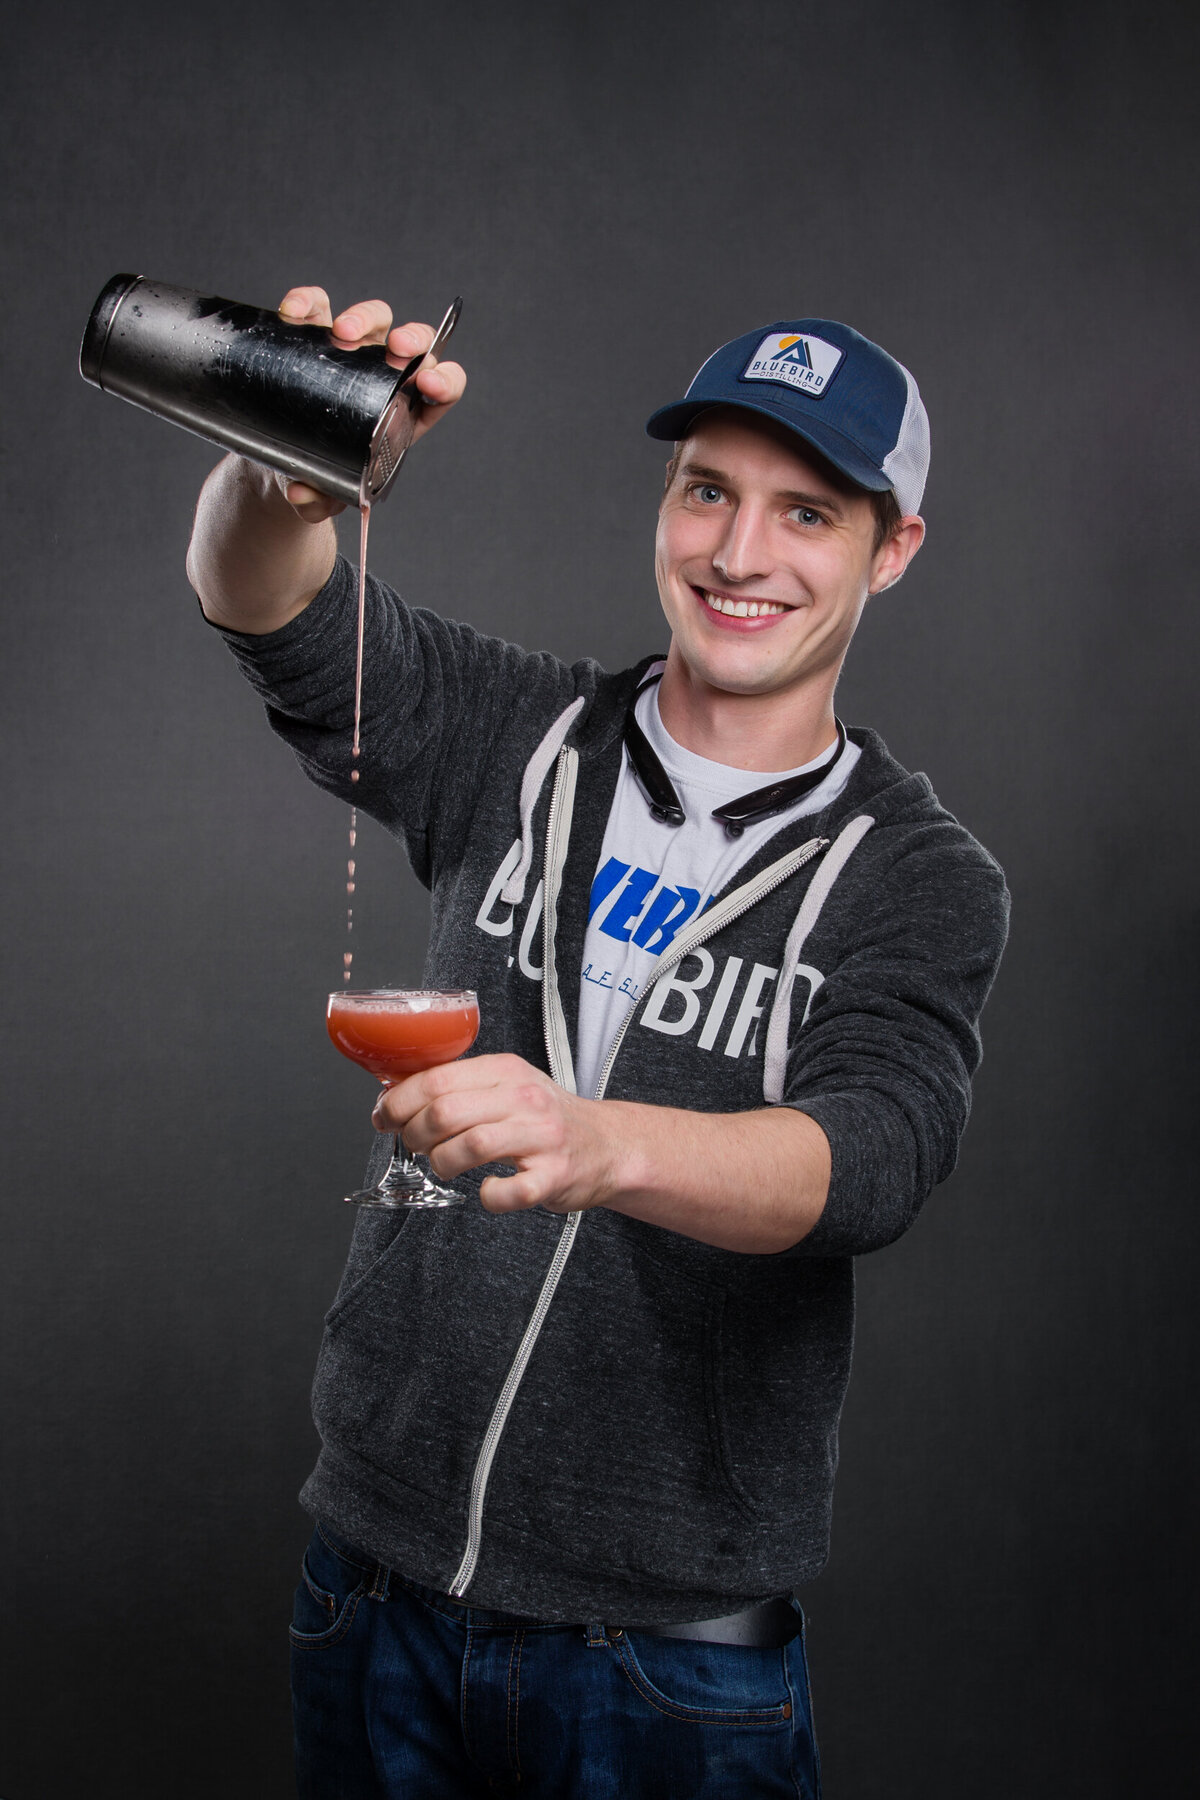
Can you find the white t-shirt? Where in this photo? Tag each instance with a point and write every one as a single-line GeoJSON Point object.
{"type": "Point", "coordinates": [653, 878]}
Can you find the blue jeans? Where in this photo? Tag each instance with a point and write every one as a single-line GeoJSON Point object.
{"type": "Point", "coordinates": [398, 1690]}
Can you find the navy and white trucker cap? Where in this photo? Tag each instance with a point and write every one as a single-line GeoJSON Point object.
{"type": "Point", "coordinates": [836, 389]}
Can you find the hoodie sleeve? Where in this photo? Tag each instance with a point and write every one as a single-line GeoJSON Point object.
{"type": "Point", "coordinates": [437, 696]}
{"type": "Point", "coordinates": [885, 1059]}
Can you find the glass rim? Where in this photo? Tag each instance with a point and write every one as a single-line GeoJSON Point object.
{"type": "Point", "coordinates": [454, 994]}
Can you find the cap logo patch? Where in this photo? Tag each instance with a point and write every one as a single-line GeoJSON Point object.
{"type": "Point", "coordinates": [807, 364]}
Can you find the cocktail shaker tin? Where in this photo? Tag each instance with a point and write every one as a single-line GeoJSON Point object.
{"type": "Point", "coordinates": [287, 395]}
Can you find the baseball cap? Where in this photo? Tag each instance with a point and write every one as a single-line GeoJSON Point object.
{"type": "Point", "coordinates": [830, 385]}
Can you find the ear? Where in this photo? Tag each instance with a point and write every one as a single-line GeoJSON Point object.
{"type": "Point", "coordinates": [893, 557]}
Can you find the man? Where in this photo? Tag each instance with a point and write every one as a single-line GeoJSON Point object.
{"type": "Point", "coordinates": [579, 1439]}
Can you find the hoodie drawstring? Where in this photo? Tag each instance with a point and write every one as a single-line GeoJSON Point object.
{"type": "Point", "coordinates": [536, 770]}
{"type": "Point", "coordinates": [834, 861]}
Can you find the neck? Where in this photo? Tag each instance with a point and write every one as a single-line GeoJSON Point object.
{"type": "Point", "coordinates": [746, 731]}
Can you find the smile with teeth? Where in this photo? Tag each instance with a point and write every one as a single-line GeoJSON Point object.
{"type": "Point", "coordinates": [743, 609]}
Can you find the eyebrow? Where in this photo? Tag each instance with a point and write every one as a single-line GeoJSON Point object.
{"type": "Point", "coordinates": [825, 501]}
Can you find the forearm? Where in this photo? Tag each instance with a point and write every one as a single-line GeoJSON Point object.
{"type": "Point", "coordinates": [253, 561]}
{"type": "Point", "coordinates": [754, 1182]}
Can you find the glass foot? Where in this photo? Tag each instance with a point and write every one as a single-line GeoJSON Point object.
{"type": "Point", "coordinates": [405, 1183]}
{"type": "Point", "coordinates": [417, 1190]}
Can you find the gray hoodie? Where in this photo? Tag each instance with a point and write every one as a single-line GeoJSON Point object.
{"type": "Point", "coordinates": [587, 1416]}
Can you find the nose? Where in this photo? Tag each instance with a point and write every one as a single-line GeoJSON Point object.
{"type": "Point", "coordinates": [742, 554]}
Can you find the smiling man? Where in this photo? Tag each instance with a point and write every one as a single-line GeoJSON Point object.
{"type": "Point", "coordinates": [578, 1440]}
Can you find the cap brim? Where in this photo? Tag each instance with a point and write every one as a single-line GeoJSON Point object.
{"type": "Point", "coordinates": [670, 423]}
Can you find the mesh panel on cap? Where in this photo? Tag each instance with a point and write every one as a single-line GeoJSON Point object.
{"type": "Point", "coordinates": [908, 464]}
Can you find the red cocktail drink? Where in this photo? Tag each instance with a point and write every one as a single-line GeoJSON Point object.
{"type": "Point", "coordinates": [394, 1032]}
{"type": "Point", "coordinates": [397, 1034]}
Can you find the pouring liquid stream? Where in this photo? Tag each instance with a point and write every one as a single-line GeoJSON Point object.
{"type": "Point", "coordinates": [355, 751]}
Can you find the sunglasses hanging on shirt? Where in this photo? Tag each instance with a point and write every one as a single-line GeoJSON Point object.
{"type": "Point", "coordinates": [735, 815]}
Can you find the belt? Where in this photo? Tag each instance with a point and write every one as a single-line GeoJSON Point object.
{"type": "Point", "coordinates": [767, 1626]}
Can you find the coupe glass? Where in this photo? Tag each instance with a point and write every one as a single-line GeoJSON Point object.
{"type": "Point", "coordinates": [395, 1032]}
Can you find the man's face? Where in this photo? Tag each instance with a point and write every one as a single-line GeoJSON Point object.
{"type": "Point", "coordinates": [763, 564]}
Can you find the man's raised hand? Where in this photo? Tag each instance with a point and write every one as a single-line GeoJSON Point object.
{"type": "Point", "coordinates": [439, 384]}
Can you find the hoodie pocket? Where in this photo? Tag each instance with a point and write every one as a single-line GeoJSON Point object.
{"type": "Point", "coordinates": [781, 1360]}
{"type": "Point", "coordinates": [613, 1445]}
{"type": "Point", "coordinates": [416, 1348]}
{"type": "Point", "coordinates": [376, 1234]}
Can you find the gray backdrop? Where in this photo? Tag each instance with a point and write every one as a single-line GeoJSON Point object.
{"type": "Point", "coordinates": [1002, 196]}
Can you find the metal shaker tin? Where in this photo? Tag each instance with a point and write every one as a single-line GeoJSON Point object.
{"type": "Point", "coordinates": [286, 395]}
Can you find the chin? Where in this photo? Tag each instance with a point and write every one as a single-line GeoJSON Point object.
{"type": "Point", "coordinates": [731, 675]}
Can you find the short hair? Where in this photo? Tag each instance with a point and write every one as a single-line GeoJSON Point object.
{"type": "Point", "coordinates": [884, 506]}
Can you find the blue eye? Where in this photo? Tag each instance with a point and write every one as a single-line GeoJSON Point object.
{"type": "Point", "coordinates": [708, 493]}
{"type": "Point", "coordinates": [804, 515]}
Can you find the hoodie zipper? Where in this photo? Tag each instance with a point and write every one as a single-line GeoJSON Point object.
{"type": "Point", "coordinates": [503, 1406]}
{"type": "Point", "coordinates": [558, 1052]}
